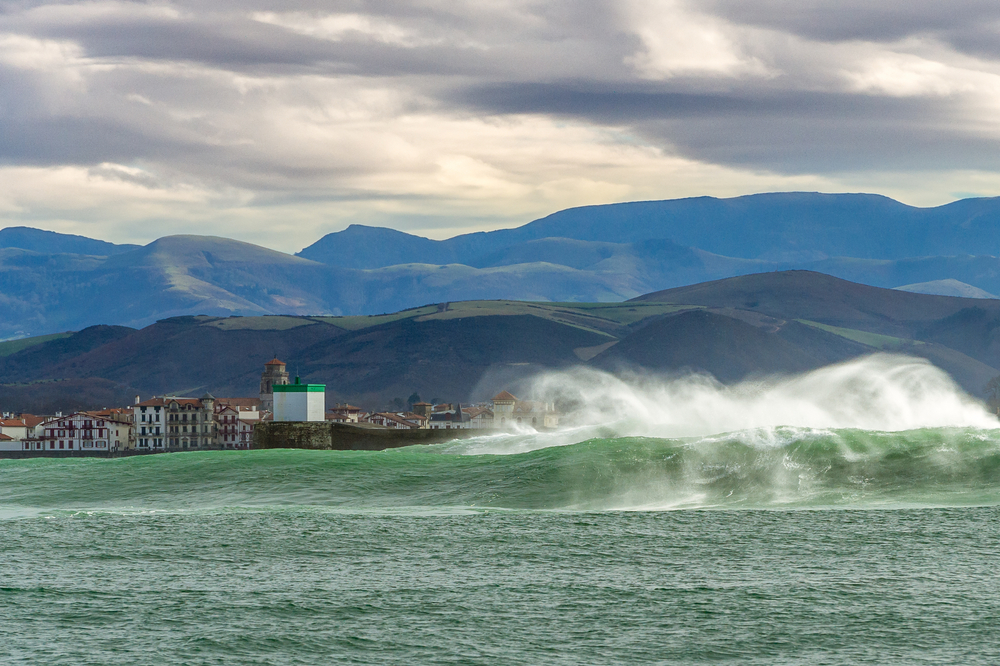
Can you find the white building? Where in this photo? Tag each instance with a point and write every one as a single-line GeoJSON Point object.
{"type": "Point", "coordinates": [83, 431]}
{"type": "Point", "coordinates": [16, 429]}
{"type": "Point", "coordinates": [150, 422]}
{"type": "Point", "coordinates": [8, 443]}
{"type": "Point", "coordinates": [299, 402]}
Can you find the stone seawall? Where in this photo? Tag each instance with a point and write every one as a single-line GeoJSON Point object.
{"type": "Point", "coordinates": [45, 453]}
{"type": "Point", "coordinates": [343, 437]}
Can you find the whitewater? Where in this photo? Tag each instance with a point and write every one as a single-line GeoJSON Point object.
{"type": "Point", "coordinates": [846, 515]}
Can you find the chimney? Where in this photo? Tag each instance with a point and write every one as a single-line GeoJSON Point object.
{"type": "Point", "coordinates": [137, 400]}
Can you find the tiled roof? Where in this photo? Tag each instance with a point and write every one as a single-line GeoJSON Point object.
{"type": "Point", "coordinates": [13, 423]}
{"type": "Point", "coordinates": [31, 420]}
{"type": "Point", "coordinates": [275, 361]}
{"type": "Point", "coordinates": [6, 438]}
{"type": "Point", "coordinates": [152, 402]}
{"type": "Point", "coordinates": [388, 416]}
{"type": "Point", "coordinates": [504, 396]}
{"type": "Point", "coordinates": [185, 401]}
{"type": "Point", "coordinates": [473, 412]}
{"type": "Point", "coordinates": [239, 402]}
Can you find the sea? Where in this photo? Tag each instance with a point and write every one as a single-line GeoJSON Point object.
{"type": "Point", "coordinates": [827, 528]}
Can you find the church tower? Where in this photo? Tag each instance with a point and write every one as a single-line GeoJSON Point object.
{"type": "Point", "coordinates": [274, 375]}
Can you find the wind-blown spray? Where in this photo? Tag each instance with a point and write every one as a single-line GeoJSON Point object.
{"type": "Point", "coordinates": [882, 392]}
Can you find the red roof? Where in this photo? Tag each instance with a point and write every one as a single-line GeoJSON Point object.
{"type": "Point", "coordinates": [185, 401]}
{"type": "Point", "coordinates": [151, 402]}
{"type": "Point", "coordinates": [31, 420]}
{"type": "Point", "coordinates": [6, 438]}
{"type": "Point", "coordinates": [504, 396]}
{"type": "Point", "coordinates": [13, 423]}
{"type": "Point", "coordinates": [238, 402]}
{"type": "Point", "coordinates": [275, 361]}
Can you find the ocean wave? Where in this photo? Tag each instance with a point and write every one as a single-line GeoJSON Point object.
{"type": "Point", "coordinates": [763, 468]}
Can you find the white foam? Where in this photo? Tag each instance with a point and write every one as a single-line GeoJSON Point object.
{"type": "Point", "coordinates": [882, 392]}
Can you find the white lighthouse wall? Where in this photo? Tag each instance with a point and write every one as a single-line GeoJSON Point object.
{"type": "Point", "coordinates": [299, 406]}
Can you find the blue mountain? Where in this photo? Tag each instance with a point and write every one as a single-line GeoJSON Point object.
{"type": "Point", "coordinates": [778, 227]}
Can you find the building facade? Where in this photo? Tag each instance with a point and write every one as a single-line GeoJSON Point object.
{"type": "Point", "coordinates": [83, 431]}
{"type": "Point", "coordinates": [235, 424]}
{"type": "Point", "coordinates": [191, 422]}
{"type": "Point", "coordinates": [149, 419]}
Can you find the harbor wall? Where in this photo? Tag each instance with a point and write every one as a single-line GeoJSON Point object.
{"type": "Point", "coordinates": [326, 436]}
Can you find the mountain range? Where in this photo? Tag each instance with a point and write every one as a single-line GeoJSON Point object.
{"type": "Point", "coordinates": [53, 283]}
{"type": "Point", "coordinates": [735, 328]}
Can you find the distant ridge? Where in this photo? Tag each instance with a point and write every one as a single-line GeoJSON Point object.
{"type": "Point", "coordinates": [49, 242]}
{"type": "Point", "coordinates": [54, 282]}
{"type": "Point", "coordinates": [784, 226]}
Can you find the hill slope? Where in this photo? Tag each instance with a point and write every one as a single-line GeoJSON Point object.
{"type": "Point", "coordinates": [733, 328]}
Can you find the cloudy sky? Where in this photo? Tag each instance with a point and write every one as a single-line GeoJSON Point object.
{"type": "Point", "coordinates": [277, 123]}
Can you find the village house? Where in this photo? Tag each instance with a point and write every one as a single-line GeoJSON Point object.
{"type": "Point", "coordinates": [450, 419]}
{"type": "Point", "coordinates": [190, 422]}
{"type": "Point", "coordinates": [8, 443]}
{"type": "Point", "coordinates": [509, 412]}
{"type": "Point", "coordinates": [395, 421]}
{"type": "Point", "coordinates": [22, 433]}
{"type": "Point", "coordinates": [16, 429]}
{"type": "Point", "coordinates": [149, 419]}
{"type": "Point", "coordinates": [83, 431]}
{"type": "Point", "coordinates": [479, 417]}
{"type": "Point", "coordinates": [235, 423]}
{"type": "Point", "coordinates": [344, 414]}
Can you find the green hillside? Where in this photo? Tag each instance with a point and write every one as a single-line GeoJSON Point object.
{"type": "Point", "coordinates": [736, 328]}
{"type": "Point", "coordinates": [12, 346]}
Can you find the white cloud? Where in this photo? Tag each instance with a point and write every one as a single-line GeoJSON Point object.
{"type": "Point", "coordinates": [679, 41]}
{"type": "Point", "coordinates": [342, 26]}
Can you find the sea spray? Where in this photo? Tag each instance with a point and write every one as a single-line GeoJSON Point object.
{"type": "Point", "coordinates": [881, 392]}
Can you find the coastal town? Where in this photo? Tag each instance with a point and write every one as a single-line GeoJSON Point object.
{"type": "Point", "coordinates": [176, 423]}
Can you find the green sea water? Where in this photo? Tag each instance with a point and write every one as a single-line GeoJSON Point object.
{"type": "Point", "coordinates": [761, 546]}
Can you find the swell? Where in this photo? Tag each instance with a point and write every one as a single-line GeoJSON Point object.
{"type": "Point", "coordinates": [781, 467]}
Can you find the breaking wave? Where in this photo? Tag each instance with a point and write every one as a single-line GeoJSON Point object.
{"type": "Point", "coordinates": [878, 432]}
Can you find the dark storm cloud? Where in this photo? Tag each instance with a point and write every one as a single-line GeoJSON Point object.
{"type": "Point", "coordinates": [628, 105]}
{"type": "Point", "coordinates": [168, 83]}
{"type": "Point", "coordinates": [786, 131]}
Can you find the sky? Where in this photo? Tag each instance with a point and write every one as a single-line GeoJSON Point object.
{"type": "Point", "coordinates": [277, 123]}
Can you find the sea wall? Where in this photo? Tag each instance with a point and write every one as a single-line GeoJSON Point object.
{"type": "Point", "coordinates": [45, 453]}
{"type": "Point", "coordinates": [343, 437]}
